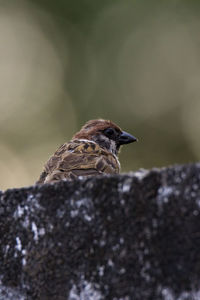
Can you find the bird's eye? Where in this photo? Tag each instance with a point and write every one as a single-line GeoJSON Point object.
{"type": "Point", "coordinates": [109, 132]}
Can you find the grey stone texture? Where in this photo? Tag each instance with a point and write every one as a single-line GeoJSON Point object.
{"type": "Point", "coordinates": [132, 236]}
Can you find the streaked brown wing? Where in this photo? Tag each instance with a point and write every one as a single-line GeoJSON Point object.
{"type": "Point", "coordinates": [79, 159]}
{"type": "Point", "coordinates": [52, 163]}
{"type": "Point", "coordinates": [72, 174]}
{"type": "Point", "coordinates": [42, 177]}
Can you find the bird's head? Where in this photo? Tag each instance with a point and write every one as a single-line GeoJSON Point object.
{"type": "Point", "coordinates": [106, 134]}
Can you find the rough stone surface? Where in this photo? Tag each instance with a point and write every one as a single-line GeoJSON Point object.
{"type": "Point", "coordinates": [132, 236]}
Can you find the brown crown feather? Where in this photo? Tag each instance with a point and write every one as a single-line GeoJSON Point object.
{"type": "Point", "coordinates": [93, 126]}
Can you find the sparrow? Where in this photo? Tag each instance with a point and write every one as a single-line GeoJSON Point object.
{"type": "Point", "coordinates": [92, 151]}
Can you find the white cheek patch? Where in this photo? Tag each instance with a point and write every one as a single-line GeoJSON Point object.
{"type": "Point", "coordinates": [113, 150]}
{"type": "Point", "coordinates": [112, 146]}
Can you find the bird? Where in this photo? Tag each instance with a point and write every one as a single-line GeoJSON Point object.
{"type": "Point", "coordinates": [92, 151]}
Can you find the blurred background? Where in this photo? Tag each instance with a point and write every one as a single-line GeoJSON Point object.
{"type": "Point", "coordinates": [136, 62]}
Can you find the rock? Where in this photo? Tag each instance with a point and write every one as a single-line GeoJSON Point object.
{"type": "Point", "coordinates": [130, 236]}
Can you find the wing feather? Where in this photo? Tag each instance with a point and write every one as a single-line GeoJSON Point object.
{"type": "Point", "coordinates": [78, 159]}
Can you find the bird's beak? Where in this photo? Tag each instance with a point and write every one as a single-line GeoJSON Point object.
{"type": "Point", "coordinates": [126, 138]}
